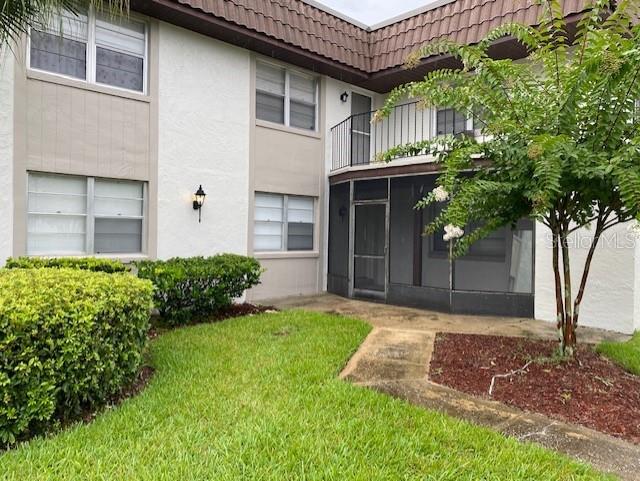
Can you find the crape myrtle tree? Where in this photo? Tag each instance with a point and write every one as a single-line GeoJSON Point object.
{"type": "Point", "coordinates": [561, 139]}
{"type": "Point", "coordinates": [18, 16]}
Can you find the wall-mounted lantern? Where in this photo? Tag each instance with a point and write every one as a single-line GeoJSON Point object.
{"type": "Point", "coordinates": [344, 96]}
{"type": "Point", "coordinates": [198, 200]}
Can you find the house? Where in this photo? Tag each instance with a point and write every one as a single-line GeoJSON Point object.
{"type": "Point", "coordinates": [108, 126]}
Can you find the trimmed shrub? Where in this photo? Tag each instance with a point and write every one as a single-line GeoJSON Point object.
{"type": "Point", "coordinates": [69, 340]}
{"type": "Point", "coordinates": [84, 263]}
{"type": "Point", "coordinates": [186, 288]}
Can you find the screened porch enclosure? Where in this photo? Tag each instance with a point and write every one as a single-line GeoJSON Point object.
{"type": "Point", "coordinates": [376, 249]}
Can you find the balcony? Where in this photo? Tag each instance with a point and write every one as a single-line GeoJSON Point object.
{"type": "Point", "coordinates": [357, 141]}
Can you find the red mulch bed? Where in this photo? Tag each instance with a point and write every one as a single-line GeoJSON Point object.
{"type": "Point", "coordinates": [234, 310]}
{"type": "Point", "coordinates": [238, 310]}
{"type": "Point", "coordinates": [589, 390]}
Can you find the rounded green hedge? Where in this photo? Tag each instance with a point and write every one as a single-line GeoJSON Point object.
{"type": "Point", "coordinates": [85, 263]}
{"type": "Point", "coordinates": [69, 339]}
{"type": "Point", "coordinates": [191, 287]}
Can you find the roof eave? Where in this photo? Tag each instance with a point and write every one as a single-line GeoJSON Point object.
{"type": "Point", "coordinates": [204, 23]}
{"type": "Point", "coordinates": [171, 11]}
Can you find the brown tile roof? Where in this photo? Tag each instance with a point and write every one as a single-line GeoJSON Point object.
{"type": "Point", "coordinates": [462, 21]}
{"type": "Point", "coordinates": [298, 24]}
{"type": "Point", "coordinates": [320, 32]}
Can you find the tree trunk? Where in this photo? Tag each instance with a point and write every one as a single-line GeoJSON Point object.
{"type": "Point", "coordinates": [569, 332]}
{"type": "Point", "coordinates": [567, 318]}
{"type": "Point", "coordinates": [558, 288]}
{"type": "Point", "coordinates": [602, 218]}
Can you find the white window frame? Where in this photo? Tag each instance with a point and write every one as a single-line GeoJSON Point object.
{"type": "Point", "coordinates": [90, 74]}
{"type": "Point", "coordinates": [90, 216]}
{"type": "Point", "coordinates": [285, 223]}
{"type": "Point", "coordinates": [469, 124]}
{"type": "Point", "coordinates": [468, 120]}
{"type": "Point", "coordinates": [287, 97]}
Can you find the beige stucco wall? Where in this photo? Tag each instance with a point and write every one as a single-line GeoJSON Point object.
{"type": "Point", "coordinates": [75, 130]}
{"type": "Point", "coordinates": [68, 126]}
{"type": "Point", "coordinates": [285, 277]}
{"type": "Point", "coordinates": [287, 161]}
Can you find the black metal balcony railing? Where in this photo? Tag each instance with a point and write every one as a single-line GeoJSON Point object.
{"type": "Point", "coordinates": [358, 141]}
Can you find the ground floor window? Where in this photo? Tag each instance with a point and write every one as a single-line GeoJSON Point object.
{"type": "Point", "coordinates": [283, 222]}
{"type": "Point", "coordinates": [73, 215]}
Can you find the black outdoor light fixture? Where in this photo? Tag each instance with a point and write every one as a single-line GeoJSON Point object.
{"type": "Point", "coordinates": [198, 200]}
{"type": "Point", "coordinates": [344, 96]}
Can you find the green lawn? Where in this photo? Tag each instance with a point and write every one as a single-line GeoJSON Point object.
{"type": "Point", "coordinates": [257, 398]}
{"type": "Point", "coordinates": [627, 354]}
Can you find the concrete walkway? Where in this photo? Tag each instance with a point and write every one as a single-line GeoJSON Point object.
{"type": "Point", "coordinates": [395, 358]}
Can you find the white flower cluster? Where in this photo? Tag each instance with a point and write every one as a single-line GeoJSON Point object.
{"type": "Point", "coordinates": [439, 194]}
{"type": "Point", "coordinates": [452, 232]}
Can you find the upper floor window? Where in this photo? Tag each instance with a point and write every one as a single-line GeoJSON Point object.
{"type": "Point", "coordinates": [452, 122]}
{"type": "Point", "coordinates": [71, 215]}
{"type": "Point", "coordinates": [93, 47]}
{"type": "Point", "coordinates": [286, 97]}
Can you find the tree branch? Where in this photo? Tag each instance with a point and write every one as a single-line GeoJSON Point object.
{"type": "Point", "coordinates": [578, 227]}
{"type": "Point", "coordinates": [613, 124]}
{"type": "Point", "coordinates": [603, 214]}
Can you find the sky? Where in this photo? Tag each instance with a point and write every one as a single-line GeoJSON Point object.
{"type": "Point", "coordinates": [371, 12]}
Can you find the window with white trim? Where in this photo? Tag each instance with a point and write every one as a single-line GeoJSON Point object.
{"type": "Point", "coordinates": [286, 97]}
{"type": "Point", "coordinates": [452, 122]}
{"type": "Point", "coordinates": [70, 215]}
{"type": "Point", "coordinates": [94, 47]}
{"type": "Point", "coordinates": [283, 222]}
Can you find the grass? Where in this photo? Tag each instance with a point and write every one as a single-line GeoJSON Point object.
{"type": "Point", "coordinates": [257, 398]}
{"type": "Point", "coordinates": [626, 354]}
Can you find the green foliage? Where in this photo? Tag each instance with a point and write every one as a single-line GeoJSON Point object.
{"type": "Point", "coordinates": [258, 398]}
{"type": "Point", "coordinates": [95, 264]}
{"type": "Point", "coordinates": [17, 16]}
{"type": "Point", "coordinates": [198, 286]}
{"type": "Point", "coordinates": [626, 354]}
{"type": "Point", "coordinates": [562, 138]}
{"type": "Point", "coordinates": [561, 130]}
{"type": "Point", "coordinates": [69, 339]}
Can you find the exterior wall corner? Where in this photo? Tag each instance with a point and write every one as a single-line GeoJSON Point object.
{"type": "Point", "coordinates": [7, 122]}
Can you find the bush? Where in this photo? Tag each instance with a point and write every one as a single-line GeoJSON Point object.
{"type": "Point", "coordinates": [84, 263]}
{"type": "Point", "coordinates": [69, 340]}
{"type": "Point", "coordinates": [186, 288]}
